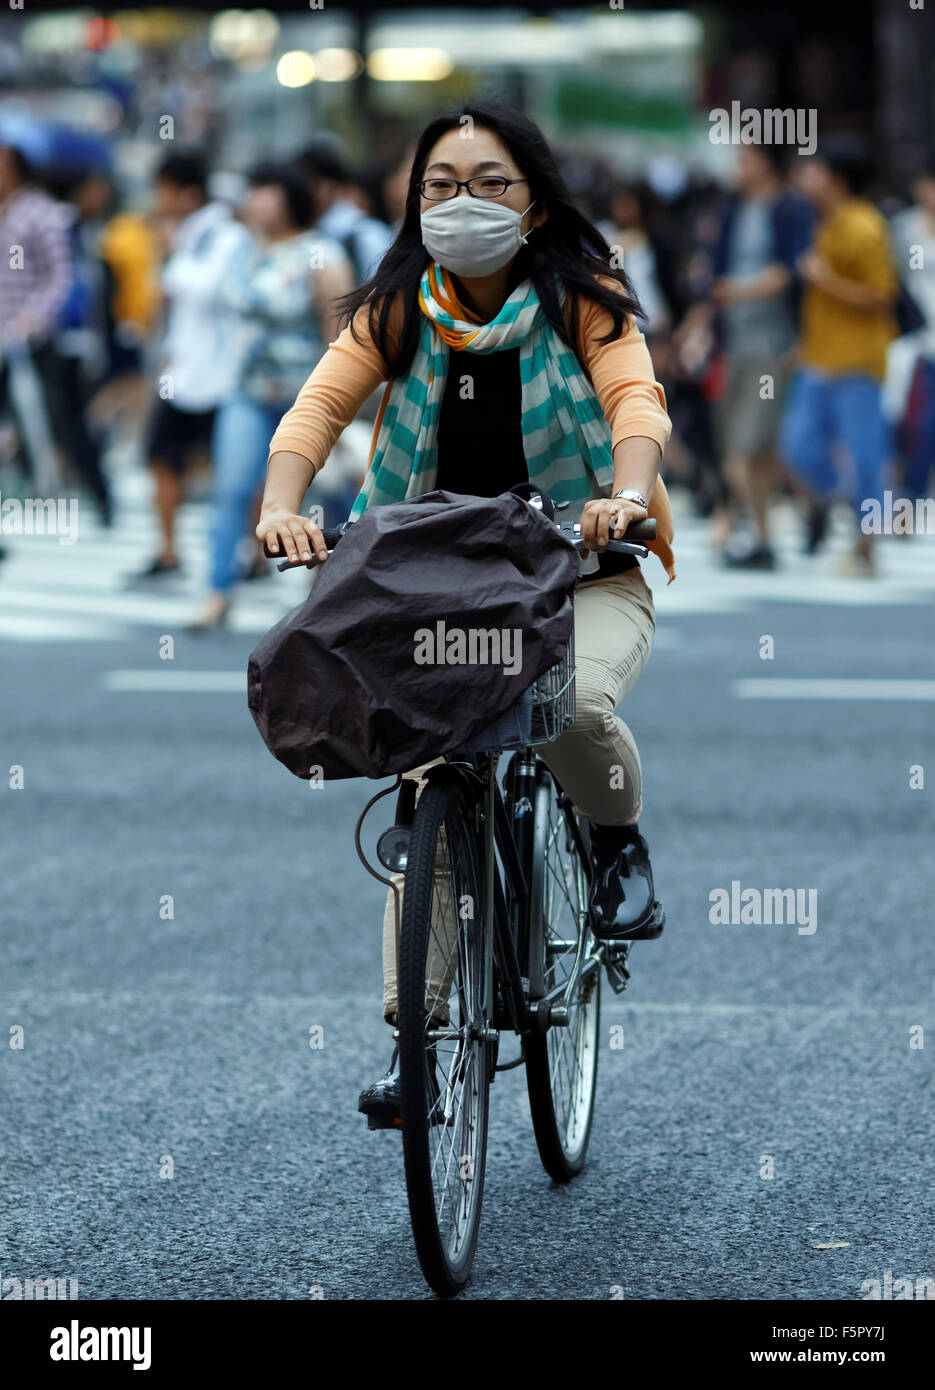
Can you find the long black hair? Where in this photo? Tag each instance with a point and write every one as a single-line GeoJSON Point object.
{"type": "Point", "coordinates": [565, 248]}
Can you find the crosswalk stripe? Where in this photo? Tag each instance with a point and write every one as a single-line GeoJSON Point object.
{"type": "Point", "coordinates": [52, 592]}
{"type": "Point", "coordinates": [833, 689]}
{"type": "Point", "coordinates": [143, 608]}
{"type": "Point", "coordinates": [32, 627]}
{"type": "Point", "coordinates": [183, 682]}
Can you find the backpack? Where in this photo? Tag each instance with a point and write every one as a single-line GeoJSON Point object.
{"type": "Point", "coordinates": [351, 247]}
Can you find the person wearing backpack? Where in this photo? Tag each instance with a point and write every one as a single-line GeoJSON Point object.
{"type": "Point", "coordinates": [363, 238]}
{"type": "Point", "coordinates": [509, 345]}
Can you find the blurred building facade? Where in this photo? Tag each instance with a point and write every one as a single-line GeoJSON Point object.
{"type": "Point", "coordinates": [628, 84]}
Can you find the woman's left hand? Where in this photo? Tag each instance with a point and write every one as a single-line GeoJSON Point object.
{"type": "Point", "coordinates": [596, 518]}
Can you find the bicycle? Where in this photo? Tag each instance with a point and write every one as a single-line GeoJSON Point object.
{"type": "Point", "coordinates": [493, 936]}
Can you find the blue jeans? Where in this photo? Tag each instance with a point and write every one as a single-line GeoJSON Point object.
{"type": "Point", "coordinates": [822, 411]}
{"type": "Point", "coordinates": [240, 448]}
{"type": "Point", "coordinates": [922, 451]}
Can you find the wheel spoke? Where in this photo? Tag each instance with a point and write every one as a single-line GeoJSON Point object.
{"type": "Point", "coordinates": [571, 1050]}
{"type": "Point", "coordinates": [454, 970]}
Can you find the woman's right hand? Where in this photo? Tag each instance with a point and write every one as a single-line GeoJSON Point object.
{"type": "Point", "coordinates": [298, 536]}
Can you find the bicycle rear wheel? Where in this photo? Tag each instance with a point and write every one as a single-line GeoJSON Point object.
{"type": "Point", "coordinates": [443, 1042]}
{"type": "Point", "coordinates": [561, 1065]}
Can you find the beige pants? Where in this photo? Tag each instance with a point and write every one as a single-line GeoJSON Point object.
{"type": "Point", "coordinates": [596, 760]}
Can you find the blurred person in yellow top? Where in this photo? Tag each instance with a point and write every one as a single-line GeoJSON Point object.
{"type": "Point", "coordinates": [847, 313]}
{"type": "Point", "coordinates": [129, 248]}
{"type": "Point", "coordinates": [848, 320]}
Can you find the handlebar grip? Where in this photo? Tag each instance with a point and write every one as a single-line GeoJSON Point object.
{"type": "Point", "coordinates": [639, 531]}
{"type": "Point", "coordinates": [331, 535]}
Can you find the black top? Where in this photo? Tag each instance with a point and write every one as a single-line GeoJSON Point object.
{"type": "Point", "coordinates": [480, 434]}
{"type": "Point", "coordinates": [480, 429]}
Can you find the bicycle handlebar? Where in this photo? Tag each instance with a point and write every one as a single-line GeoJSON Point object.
{"type": "Point", "coordinates": [331, 536]}
{"type": "Point", "coordinates": [635, 533]}
{"type": "Point", "coordinates": [629, 543]}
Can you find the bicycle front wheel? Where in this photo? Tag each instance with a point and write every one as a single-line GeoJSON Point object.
{"type": "Point", "coordinates": [444, 1051]}
{"type": "Point", "coordinates": [561, 1065]}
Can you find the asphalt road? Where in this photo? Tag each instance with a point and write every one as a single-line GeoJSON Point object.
{"type": "Point", "coordinates": [748, 1050]}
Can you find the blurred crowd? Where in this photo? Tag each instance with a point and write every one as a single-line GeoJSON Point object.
{"type": "Point", "coordinates": [188, 325]}
{"type": "Point", "coordinates": [791, 320]}
{"type": "Point", "coordinates": [790, 316]}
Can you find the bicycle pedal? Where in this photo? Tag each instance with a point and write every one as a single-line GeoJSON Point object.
{"type": "Point", "coordinates": [647, 930]}
{"type": "Point", "coordinates": [654, 926]}
{"type": "Point", "coordinates": [395, 1121]}
{"type": "Point", "coordinates": [615, 963]}
{"type": "Point", "coordinates": [384, 1122]}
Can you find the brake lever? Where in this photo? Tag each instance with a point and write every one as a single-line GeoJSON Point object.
{"type": "Point", "coordinates": [299, 564]}
{"type": "Point", "coordinates": [573, 531]}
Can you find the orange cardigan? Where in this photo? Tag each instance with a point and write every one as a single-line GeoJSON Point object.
{"type": "Point", "coordinates": [621, 373]}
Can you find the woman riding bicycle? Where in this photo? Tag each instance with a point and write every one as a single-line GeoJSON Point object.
{"type": "Point", "coordinates": [508, 337]}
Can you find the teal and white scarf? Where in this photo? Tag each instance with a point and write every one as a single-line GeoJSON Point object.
{"type": "Point", "coordinates": [566, 439]}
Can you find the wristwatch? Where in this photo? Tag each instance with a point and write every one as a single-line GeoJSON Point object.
{"type": "Point", "coordinates": [629, 494]}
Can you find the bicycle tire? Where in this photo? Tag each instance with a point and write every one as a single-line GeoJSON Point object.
{"type": "Point", "coordinates": [442, 828]}
{"type": "Point", "coordinates": [562, 1124]}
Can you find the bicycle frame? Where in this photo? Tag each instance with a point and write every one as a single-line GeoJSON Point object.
{"type": "Point", "coordinates": [515, 991]}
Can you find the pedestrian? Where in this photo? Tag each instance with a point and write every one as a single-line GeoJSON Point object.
{"type": "Point", "coordinates": [686, 222]}
{"type": "Point", "coordinates": [834, 401]}
{"type": "Point", "coordinates": [81, 341]}
{"type": "Point", "coordinates": [394, 189]}
{"type": "Point", "coordinates": [285, 288]}
{"type": "Point", "coordinates": [766, 228]}
{"type": "Point", "coordinates": [336, 213]}
{"type": "Point", "coordinates": [201, 347]}
{"type": "Point", "coordinates": [913, 240]}
{"type": "Point", "coordinates": [130, 251]}
{"type": "Point", "coordinates": [629, 233]}
{"type": "Point", "coordinates": [35, 282]}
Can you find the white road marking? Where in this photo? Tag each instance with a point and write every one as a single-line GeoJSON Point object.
{"type": "Point", "coordinates": [156, 610]}
{"type": "Point", "coordinates": [827, 689]}
{"type": "Point", "coordinates": [20, 627]}
{"type": "Point", "coordinates": [57, 592]}
{"type": "Point", "coordinates": [182, 682]}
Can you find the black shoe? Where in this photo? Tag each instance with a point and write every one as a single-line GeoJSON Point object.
{"type": "Point", "coordinates": [622, 901]}
{"type": "Point", "coordinates": [759, 557]}
{"type": "Point", "coordinates": [816, 528]}
{"type": "Point", "coordinates": [380, 1102]}
{"type": "Point", "coordinates": [159, 569]}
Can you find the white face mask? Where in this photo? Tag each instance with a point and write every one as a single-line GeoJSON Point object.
{"type": "Point", "coordinates": [472, 236]}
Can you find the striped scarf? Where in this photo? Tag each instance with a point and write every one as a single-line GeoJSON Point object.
{"type": "Point", "coordinates": [566, 439]}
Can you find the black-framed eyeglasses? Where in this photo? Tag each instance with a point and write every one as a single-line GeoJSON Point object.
{"type": "Point", "coordinates": [482, 186]}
